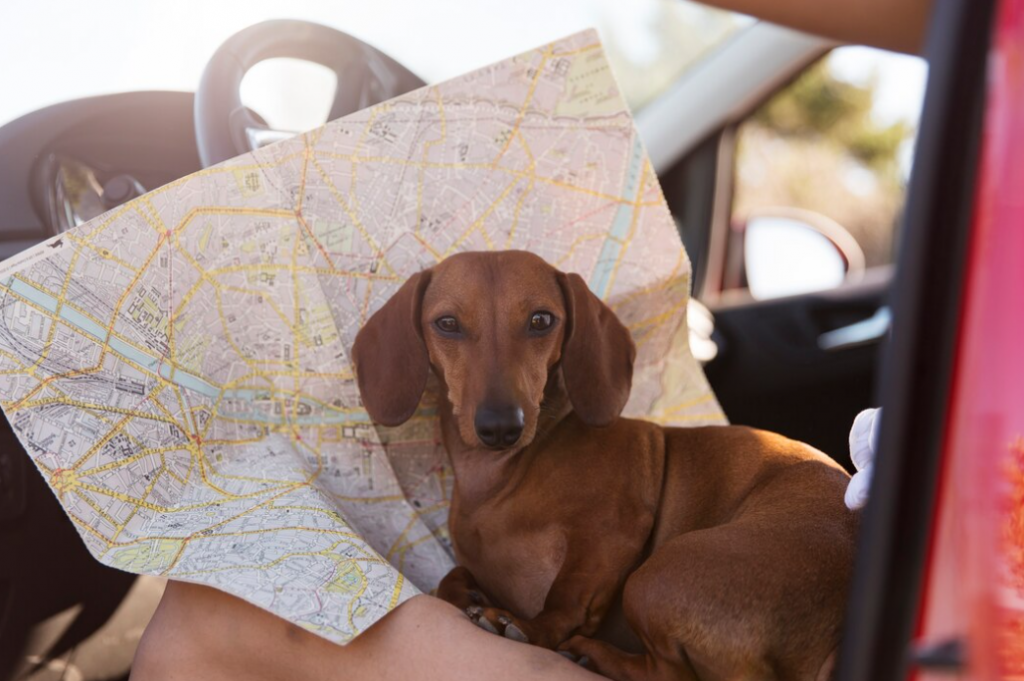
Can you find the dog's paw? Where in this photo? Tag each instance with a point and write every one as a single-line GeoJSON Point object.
{"type": "Point", "coordinates": [579, 649]}
{"type": "Point", "coordinates": [498, 622]}
{"type": "Point", "coordinates": [461, 590]}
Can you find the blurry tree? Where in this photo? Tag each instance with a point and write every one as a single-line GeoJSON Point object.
{"type": "Point", "coordinates": [818, 104]}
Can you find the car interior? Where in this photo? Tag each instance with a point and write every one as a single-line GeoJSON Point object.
{"type": "Point", "coordinates": [802, 363]}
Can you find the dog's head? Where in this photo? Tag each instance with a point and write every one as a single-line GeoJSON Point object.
{"type": "Point", "coordinates": [495, 328]}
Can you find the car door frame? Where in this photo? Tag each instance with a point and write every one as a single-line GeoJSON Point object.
{"type": "Point", "coordinates": [917, 380]}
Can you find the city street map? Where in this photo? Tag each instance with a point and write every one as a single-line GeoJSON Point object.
{"type": "Point", "coordinates": [178, 368]}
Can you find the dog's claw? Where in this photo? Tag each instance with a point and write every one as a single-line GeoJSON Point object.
{"type": "Point", "coordinates": [486, 625]}
{"type": "Point", "coordinates": [583, 661]}
{"type": "Point", "coordinates": [476, 615]}
{"type": "Point", "coordinates": [567, 655]}
{"type": "Point", "coordinates": [515, 633]}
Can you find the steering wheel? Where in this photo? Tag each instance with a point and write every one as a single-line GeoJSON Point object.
{"type": "Point", "coordinates": [225, 128]}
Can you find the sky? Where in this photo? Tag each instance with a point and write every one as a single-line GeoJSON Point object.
{"type": "Point", "coordinates": [56, 50]}
{"type": "Point", "coordinates": [53, 50]}
{"type": "Point", "coordinates": [900, 79]}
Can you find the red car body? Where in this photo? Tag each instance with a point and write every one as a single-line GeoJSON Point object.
{"type": "Point", "coordinates": [974, 584]}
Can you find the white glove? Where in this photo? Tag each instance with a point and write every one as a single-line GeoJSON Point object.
{"type": "Point", "coordinates": [863, 445]}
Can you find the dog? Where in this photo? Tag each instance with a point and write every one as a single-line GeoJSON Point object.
{"type": "Point", "coordinates": [642, 551]}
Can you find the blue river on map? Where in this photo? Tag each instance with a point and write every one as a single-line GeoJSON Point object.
{"type": "Point", "coordinates": [183, 379]}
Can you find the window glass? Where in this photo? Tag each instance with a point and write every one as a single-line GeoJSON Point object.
{"type": "Point", "coordinates": [836, 143]}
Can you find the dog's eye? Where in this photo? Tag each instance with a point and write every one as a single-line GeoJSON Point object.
{"type": "Point", "coordinates": [541, 321]}
{"type": "Point", "coordinates": [448, 324]}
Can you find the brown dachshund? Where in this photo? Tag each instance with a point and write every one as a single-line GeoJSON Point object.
{"type": "Point", "coordinates": [654, 553]}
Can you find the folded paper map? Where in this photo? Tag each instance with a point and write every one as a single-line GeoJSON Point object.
{"type": "Point", "coordinates": [178, 368]}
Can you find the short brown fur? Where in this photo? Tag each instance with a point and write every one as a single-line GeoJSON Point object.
{"type": "Point", "coordinates": [657, 553]}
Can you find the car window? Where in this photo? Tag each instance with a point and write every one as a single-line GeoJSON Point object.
{"type": "Point", "coordinates": [821, 173]}
{"type": "Point", "coordinates": [650, 43]}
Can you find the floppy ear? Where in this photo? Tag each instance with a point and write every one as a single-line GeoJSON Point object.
{"type": "Point", "coordinates": [390, 356]}
{"type": "Point", "coordinates": [597, 355]}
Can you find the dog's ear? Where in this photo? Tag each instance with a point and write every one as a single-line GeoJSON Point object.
{"type": "Point", "coordinates": [390, 356]}
{"type": "Point", "coordinates": [597, 355]}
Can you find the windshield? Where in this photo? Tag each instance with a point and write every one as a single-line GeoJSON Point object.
{"type": "Point", "coordinates": [50, 55]}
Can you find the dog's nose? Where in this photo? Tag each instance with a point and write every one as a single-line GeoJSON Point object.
{"type": "Point", "coordinates": [499, 427]}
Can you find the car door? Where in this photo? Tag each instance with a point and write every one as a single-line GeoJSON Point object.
{"type": "Point", "coordinates": [803, 195]}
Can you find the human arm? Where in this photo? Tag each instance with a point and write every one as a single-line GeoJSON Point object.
{"type": "Point", "coordinates": [890, 24]}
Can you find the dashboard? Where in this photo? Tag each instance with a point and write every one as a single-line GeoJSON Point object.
{"type": "Point", "coordinates": [69, 162]}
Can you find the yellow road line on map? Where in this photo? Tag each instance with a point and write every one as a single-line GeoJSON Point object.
{"type": "Point", "coordinates": [185, 540]}
{"type": "Point", "coordinates": [327, 553]}
{"type": "Point", "coordinates": [649, 321]}
{"type": "Point", "coordinates": [581, 50]}
{"type": "Point", "coordinates": [306, 149]}
{"type": "Point", "coordinates": [303, 269]}
{"type": "Point", "coordinates": [525, 193]}
{"type": "Point", "coordinates": [352, 213]}
{"type": "Point", "coordinates": [232, 210]}
{"type": "Point", "coordinates": [12, 358]}
{"type": "Point", "coordinates": [121, 496]}
{"type": "Point", "coordinates": [170, 471]}
{"type": "Point", "coordinates": [676, 408]}
{"type": "Point", "coordinates": [580, 240]}
{"type": "Point", "coordinates": [368, 500]}
{"type": "Point", "coordinates": [87, 527]}
{"type": "Point", "coordinates": [397, 591]}
{"type": "Point", "coordinates": [488, 166]}
{"type": "Point", "coordinates": [111, 219]}
{"type": "Point", "coordinates": [363, 583]}
{"type": "Point", "coordinates": [102, 442]}
{"type": "Point", "coordinates": [231, 443]}
{"type": "Point", "coordinates": [227, 332]}
{"type": "Point", "coordinates": [296, 321]}
{"type": "Point", "coordinates": [402, 552]}
{"type": "Point", "coordinates": [254, 292]}
{"type": "Point", "coordinates": [101, 252]}
{"type": "Point", "coordinates": [515, 215]}
{"type": "Point", "coordinates": [104, 408]}
{"type": "Point", "coordinates": [526, 103]}
{"type": "Point", "coordinates": [122, 526]}
{"type": "Point", "coordinates": [217, 170]}
{"type": "Point", "coordinates": [478, 223]}
{"type": "Point", "coordinates": [421, 176]}
{"type": "Point", "coordinates": [158, 221]}
{"type": "Point", "coordinates": [120, 463]}
{"type": "Point", "coordinates": [94, 506]}
{"type": "Point", "coordinates": [676, 279]}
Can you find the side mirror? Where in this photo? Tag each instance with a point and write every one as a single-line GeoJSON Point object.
{"type": "Point", "coordinates": [788, 252]}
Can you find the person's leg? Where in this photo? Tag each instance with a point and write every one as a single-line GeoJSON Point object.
{"type": "Point", "coordinates": [201, 634]}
